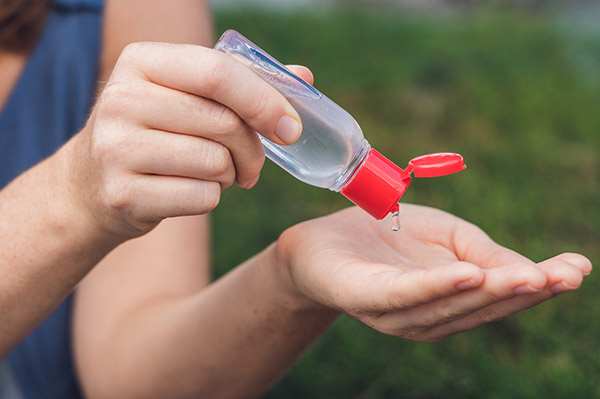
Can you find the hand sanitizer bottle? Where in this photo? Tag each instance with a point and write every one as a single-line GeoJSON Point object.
{"type": "Point", "coordinates": [332, 151]}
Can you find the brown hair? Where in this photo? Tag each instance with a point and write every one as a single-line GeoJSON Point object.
{"type": "Point", "coordinates": [21, 22]}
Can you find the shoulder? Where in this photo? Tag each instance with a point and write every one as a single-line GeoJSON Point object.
{"type": "Point", "coordinates": [174, 21]}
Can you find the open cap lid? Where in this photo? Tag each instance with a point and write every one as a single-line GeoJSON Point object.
{"type": "Point", "coordinates": [434, 165]}
{"type": "Point", "coordinates": [379, 184]}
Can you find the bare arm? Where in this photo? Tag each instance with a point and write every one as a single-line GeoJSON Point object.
{"type": "Point", "coordinates": [151, 330]}
{"type": "Point", "coordinates": [147, 303]}
{"type": "Point", "coordinates": [47, 246]}
{"type": "Point", "coordinates": [47, 243]}
{"type": "Point", "coordinates": [116, 179]}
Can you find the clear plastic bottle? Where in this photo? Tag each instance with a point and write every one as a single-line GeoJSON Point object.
{"type": "Point", "coordinates": [332, 151]}
{"type": "Point", "coordinates": [332, 145]}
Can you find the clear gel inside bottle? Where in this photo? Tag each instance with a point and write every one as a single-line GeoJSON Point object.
{"type": "Point", "coordinates": [332, 145]}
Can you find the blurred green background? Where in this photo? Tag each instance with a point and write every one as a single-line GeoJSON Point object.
{"type": "Point", "coordinates": [517, 93]}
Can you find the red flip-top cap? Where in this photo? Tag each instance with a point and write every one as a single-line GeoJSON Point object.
{"type": "Point", "coordinates": [377, 186]}
{"type": "Point", "coordinates": [380, 183]}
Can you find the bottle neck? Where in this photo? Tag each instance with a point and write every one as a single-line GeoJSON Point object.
{"type": "Point", "coordinates": [353, 167]}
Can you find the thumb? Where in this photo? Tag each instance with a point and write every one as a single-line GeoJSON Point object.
{"type": "Point", "coordinates": [303, 73]}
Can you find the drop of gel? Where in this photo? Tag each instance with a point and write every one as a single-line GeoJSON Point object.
{"type": "Point", "coordinates": [395, 221]}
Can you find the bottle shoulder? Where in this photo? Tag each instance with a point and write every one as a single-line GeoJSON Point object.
{"type": "Point", "coordinates": [357, 161]}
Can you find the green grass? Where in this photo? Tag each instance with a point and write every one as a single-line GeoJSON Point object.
{"type": "Point", "coordinates": [512, 95]}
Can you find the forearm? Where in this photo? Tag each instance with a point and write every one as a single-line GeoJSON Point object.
{"type": "Point", "coordinates": [233, 339]}
{"type": "Point", "coordinates": [46, 247]}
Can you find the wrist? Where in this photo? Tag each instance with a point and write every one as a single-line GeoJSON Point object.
{"type": "Point", "coordinates": [293, 295]}
{"type": "Point", "coordinates": [71, 201]}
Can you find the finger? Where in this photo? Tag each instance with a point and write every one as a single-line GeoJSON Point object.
{"type": "Point", "coordinates": [495, 312]}
{"type": "Point", "coordinates": [303, 73]}
{"type": "Point", "coordinates": [562, 275]}
{"type": "Point", "coordinates": [394, 290]}
{"type": "Point", "coordinates": [161, 108]}
{"type": "Point", "coordinates": [579, 261]}
{"type": "Point", "coordinates": [565, 272]}
{"type": "Point", "coordinates": [499, 284]}
{"type": "Point", "coordinates": [168, 154]}
{"type": "Point", "coordinates": [218, 76]}
{"type": "Point", "coordinates": [153, 198]}
{"type": "Point", "coordinates": [486, 315]}
{"type": "Point", "coordinates": [472, 244]}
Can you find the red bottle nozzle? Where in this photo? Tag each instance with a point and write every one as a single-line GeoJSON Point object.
{"type": "Point", "coordinates": [379, 183]}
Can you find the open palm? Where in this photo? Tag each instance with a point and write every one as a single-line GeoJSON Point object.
{"type": "Point", "coordinates": [439, 275]}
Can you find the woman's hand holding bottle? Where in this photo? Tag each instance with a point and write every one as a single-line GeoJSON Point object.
{"type": "Point", "coordinates": [174, 125]}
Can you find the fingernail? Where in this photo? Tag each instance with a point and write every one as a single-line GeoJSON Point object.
{"type": "Point", "coordinates": [288, 129]}
{"type": "Point", "coordinates": [561, 287]}
{"type": "Point", "coordinates": [525, 289]}
{"type": "Point", "coordinates": [466, 285]}
{"type": "Point", "coordinates": [252, 182]}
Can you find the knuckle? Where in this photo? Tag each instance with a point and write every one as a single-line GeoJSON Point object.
{"type": "Point", "coordinates": [136, 58]}
{"type": "Point", "coordinates": [217, 160]}
{"type": "Point", "coordinates": [224, 122]}
{"type": "Point", "coordinates": [130, 50]}
{"type": "Point", "coordinates": [118, 195]}
{"type": "Point", "coordinates": [490, 316]}
{"type": "Point", "coordinates": [129, 56]}
{"type": "Point", "coordinates": [227, 182]}
{"type": "Point", "coordinates": [523, 270]}
{"type": "Point", "coordinates": [531, 274]}
{"type": "Point", "coordinates": [259, 106]}
{"type": "Point", "coordinates": [115, 101]}
{"type": "Point", "coordinates": [133, 51]}
{"type": "Point", "coordinates": [216, 69]}
{"type": "Point", "coordinates": [227, 178]}
{"type": "Point", "coordinates": [105, 147]}
{"type": "Point", "coordinates": [443, 313]}
{"type": "Point", "coordinates": [446, 312]}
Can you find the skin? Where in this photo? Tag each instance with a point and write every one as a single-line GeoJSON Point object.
{"type": "Point", "coordinates": [439, 275]}
{"type": "Point", "coordinates": [12, 64]}
{"type": "Point", "coordinates": [170, 130]}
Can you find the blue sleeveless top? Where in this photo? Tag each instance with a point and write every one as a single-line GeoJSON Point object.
{"type": "Point", "coordinates": [50, 103]}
